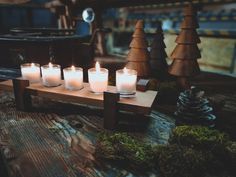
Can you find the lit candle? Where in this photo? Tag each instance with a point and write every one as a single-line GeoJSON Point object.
{"type": "Point", "coordinates": [73, 77]}
{"type": "Point", "coordinates": [98, 79]}
{"type": "Point", "coordinates": [126, 81]}
{"type": "Point", "coordinates": [31, 72]}
{"type": "Point", "coordinates": [51, 75]}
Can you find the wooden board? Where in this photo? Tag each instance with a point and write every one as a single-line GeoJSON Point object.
{"type": "Point", "coordinates": [42, 144]}
{"type": "Point", "coordinates": [141, 103]}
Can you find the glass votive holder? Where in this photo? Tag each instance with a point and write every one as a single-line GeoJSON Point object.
{"type": "Point", "coordinates": [51, 75]}
{"type": "Point", "coordinates": [31, 72]}
{"type": "Point", "coordinates": [98, 80]}
{"type": "Point", "coordinates": [126, 81]}
{"type": "Point", "coordinates": [73, 77]}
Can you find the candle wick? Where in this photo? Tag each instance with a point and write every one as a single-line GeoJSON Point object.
{"type": "Point", "coordinates": [50, 65]}
{"type": "Point", "coordinates": [97, 67]}
{"type": "Point", "coordinates": [73, 68]}
{"type": "Point", "coordinates": [125, 71]}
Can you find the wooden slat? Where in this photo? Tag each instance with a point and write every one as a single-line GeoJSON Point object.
{"type": "Point", "coordinates": [141, 103]}
{"type": "Point", "coordinates": [6, 86]}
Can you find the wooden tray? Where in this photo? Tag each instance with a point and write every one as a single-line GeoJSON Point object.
{"type": "Point", "coordinates": [141, 103]}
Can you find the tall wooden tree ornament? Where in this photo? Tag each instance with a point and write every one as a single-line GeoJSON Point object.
{"type": "Point", "coordinates": [186, 52]}
{"type": "Point", "coordinates": [138, 56]}
{"type": "Point", "coordinates": [158, 55]}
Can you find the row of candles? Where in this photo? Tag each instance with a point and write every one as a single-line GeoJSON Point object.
{"type": "Point", "coordinates": [73, 76]}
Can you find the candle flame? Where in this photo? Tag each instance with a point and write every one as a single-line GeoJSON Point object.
{"type": "Point", "coordinates": [97, 66]}
{"type": "Point", "coordinates": [32, 65]}
{"type": "Point", "coordinates": [125, 70]}
{"type": "Point", "coordinates": [50, 65]}
{"type": "Point", "coordinates": [73, 68]}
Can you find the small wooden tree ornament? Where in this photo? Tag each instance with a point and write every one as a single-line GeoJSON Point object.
{"type": "Point", "coordinates": [138, 56]}
{"type": "Point", "coordinates": [186, 52]}
{"type": "Point", "coordinates": [158, 55]}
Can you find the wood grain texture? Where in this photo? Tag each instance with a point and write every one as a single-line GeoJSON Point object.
{"type": "Point", "coordinates": [141, 103]}
{"type": "Point", "coordinates": [50, 145]}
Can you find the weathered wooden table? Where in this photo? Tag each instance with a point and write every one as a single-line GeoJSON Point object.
{"type": "Point", "coordinates": [57, 139]}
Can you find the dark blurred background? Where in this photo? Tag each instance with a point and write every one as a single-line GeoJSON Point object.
{"type": "Point", "coordinates": [217, 20]}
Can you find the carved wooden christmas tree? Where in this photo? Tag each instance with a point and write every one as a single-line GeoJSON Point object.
{"type": "Point", "coordinates": [186, 53]}
{"type": "Point", "coordinates": [138, 56]}
{"type": "Point", "coordinates": [158, 54]}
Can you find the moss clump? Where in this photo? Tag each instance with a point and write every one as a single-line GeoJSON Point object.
{"type": "Point", "coordinates": [122, 147]}
{"type": "Point", "coordinates": [199, 137]}
{"type": "Point", "coordinates": [177, 161]}
{"type": "Point", "coordinates": [216, 146]}
{"type": "Point", "coordinates": [192, 151]}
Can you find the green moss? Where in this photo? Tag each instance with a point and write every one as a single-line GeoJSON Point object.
{"type": "Point", "coordinates": [199, 137]}
{"type": "Point", "coordinates": [121, 146]}
{"type": "Point", "coordinates": [177, 161]}
{"type": "Point", "coordinates": [192, 151]}
{"type": "Point", "coordinates": [214, 144]}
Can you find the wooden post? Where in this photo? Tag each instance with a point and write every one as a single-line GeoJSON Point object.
{"type": "Point", "coordinates": [110, 110]}
{"type": "Point", "coordinates": [22, 98]}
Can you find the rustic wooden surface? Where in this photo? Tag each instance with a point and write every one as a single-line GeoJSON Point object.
{"type": "Point", "coordinates": [57, 139]}
{"type": "Point", "coordinates": [50, 142]}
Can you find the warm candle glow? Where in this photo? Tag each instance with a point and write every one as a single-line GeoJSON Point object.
{"type": "Point", "coordinates": [31, 72]}
{"type": "Point", "coordinates": [73, 77]}
{"type": "Point", "coordinates": [97, 66]}
{"type": "Point", "coordinates": [126, 81]}
{"type": "Point", "coordinates": [125, 71]}
{"type": "Point", "coordinates": [51, 75]}
{"type": "Point", "coordinates": [73, 68]}
{"type": "Point", "coordinates": [98, 78]}
{"type": "Point", "coordinates": [50, 65]}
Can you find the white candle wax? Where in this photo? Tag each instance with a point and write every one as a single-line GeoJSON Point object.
{"type": "Point", "coordinates": [51, 75]}
{"type": "Point", "coordinates": [31, 72]}
{"type": "Point", "coordinates": [73, 77]}
{"type": "Point", "coordinates": [98, 79]}
{"type": "Point", "coordinates": [126, 81]}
